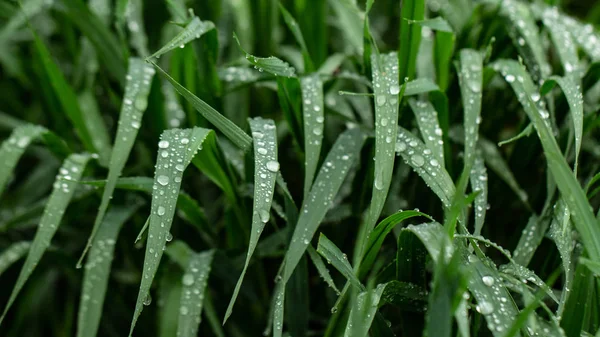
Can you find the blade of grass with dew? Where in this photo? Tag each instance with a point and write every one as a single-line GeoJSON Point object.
{"type": "Point", "coordinates": [594, 267]}
{"type": "Point", "coordinates": [563, 42]}
{"type": "Point", "coordinates": [457, 12]}
{"type": "Point", "coordinates": [470, 76]}
{"type": "Point", "coordinates": [576, 314]}
{"type": "Point", "coordinates": [479, 184]}
{"type": "Point", "coordinates": [420, 86]}
{"type": "Point", "coordinates": [429, 127]}
{"type": "Point", "coordinates": [229, 129]}
{"type": "Point", "coordinates": [134, 15]}
{"type": "Point", "coordinates": [180, 146]}
{"type": "Point", "coordinates": [169, 294]}
{"type": "Point", "coordinates": [193, 30]}
{"type": "Point", "coordinates": [348, 17]}
{"type": "Point", "coordinates": [363, 312]}
{"type": "Point", "coordinates": [575, 198]}
{"type": "Point", "coordinates": [94, 136]}
{"type": "Point", "coordinates": [13, 253]}
{"type": "Point", "coordinates": [266, 167]}
{"type": "Point", "coordinates": [421, 159]}
{"type": "Point", "coordinates": [297, 33]}
{"type": "Point", "coordinates": [135, 102]}
{"type": "Point", "coordinates": [410, 37]}
{"type": "Point", "coordinates": [334, 256]}
{"type": "Point", "coordinates": [271, 64]}
{"type": "Point", "coordinates": [532, 236]}
{"type": "Point", "coordinates": [329, 179]}
{"type": "Point", "coordinates": [97, 269]}
{"type": "Point", "coordinates": [321, 268]}
{"type": "Point", "coordinates": [561, 234]}
{"type": "Point", "coordinates": [192, 293]}
{"type": "Point", "coordinates": [313, 116]}
{"type": "Point", "coordinates": [64, 188]}
{"type": "Point", "coordinates": [574, 96]}
{"type": "Point", "coordinates": [405, 295]}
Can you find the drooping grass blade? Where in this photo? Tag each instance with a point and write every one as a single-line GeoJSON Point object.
{"type": "Point", "coordinates": [334, 256]}
{"type": "Point", "coordinates": [295, 29]}
{"type": "Point", "coordinates": [269, 64]}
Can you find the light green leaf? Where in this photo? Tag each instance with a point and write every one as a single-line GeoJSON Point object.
{"type": "Point", "coordinates": [429, 126]}
{"type": "Point", "coordinates": [266, 167]}
{"type": "Point", "coordinates": [438, 23]}
{"type": "Point", "coordinates": [349, 22]}
{"type": "Point", "coordinates": [420, 86]}
{"type": "Point", "coordinates": [532, 236]}
{"type": "Point", "coordinates": [12, 254]}
{"type": "Point", "coordinates": [135, 102]}
{"type": "Point", "coordinates": [561, 233]}
{"type": "Point", "coordinates": [470, 75]}
{"type": "Point", "coordinates": [363, 312]}
{"type": "Point", "coordinates": [134, 15]}
{"type": "Point", "coordinates": [192, 293]}
{"type": "Point", "coordinates": [563, 41]}
{"type": "Point", "coordinates": [321, 268]}
{"type": "Point", "coordinates": [64, 188]}
{"type": "Point", "coordinates": [271, 64]}
{"type": "Point", "coordinates": [313, 116]}
{"type": "Point", "coordinates": [193, 30]}
{"type": "Point", "coordinates": [338, 260]}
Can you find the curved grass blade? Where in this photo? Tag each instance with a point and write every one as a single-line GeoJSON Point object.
{"type": "Point", "coordinates": [12, 254]}
{"type": "Point", "coordinates": [295, 29]}
{"type": "Point", "coordinates": [313, 116]}
{"type": "Point", "coordinates": [421, 159]}
{"type": "Point", "coordinates": [322, 269]}
{"type": "Point", "coordinates": [229, 129]}
{"type": "Point", "coordinates": [64, 188]}
{"type": "Point", "coordinates": [575, 198]}
{"type": "Point", "coordinates": [97, 270]}
{"type": "Point", "coordinates": [410, 37]}
{"type": "Point", "coordinates": [470, 75]}
{"type": "Point", "coordinates": [193, 30]}
{"type": "Point", "coordinates": [192, 293]}
{"type": "Point", "coordinates": [478, 180]}
{"type": "Point", "coordinates": [266, 167]}
{"type": "Point", "coordinates": [176, 149]}
{"type": "Point", "coordinates": [271, 64]}
{"type": "Point", "coordinates": [429, 127]}
{"type": "Point", "coordinates": [574, 96]}
{"type": "Point", "coordinates": [135, 102]}
{"type": "Point", "coordinates": [338, 260]}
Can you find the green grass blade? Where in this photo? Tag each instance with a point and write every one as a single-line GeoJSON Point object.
{"type": "Point", "coordinates": [313, 116]}
{"type": "Point", "coordinates": [575, 198]}
{"type": "Point", "coordinates": [348, 19]}
{"type": "Point", "coordinates": [410, 37]}
{"type": "Point", "coordinates": [135, 102]}
{"type": "Point", "coordinates": [229, 129]}
{"type": "Point", "coordinates": [193, 291]}
{"type": "Point", "coordinates": [176, 149]}
{"type": "Point", "coordinates": [64, 188]}
{"type": "Point", "coordinates": [561, 233]}
{"type": "Point", "coordinates": [321, 268]}
{"type": "Point", "coordinates": [421, 159]}
{"type": "Point", "coordinates": [479, 184]}
{"type": "Point", "coordinates": [271, 64]}
{"type": "Point", "coordinates": [338, 260]}
{"type": "Point", "coordinates": [134, 15]}
{"type": "Point", "coordinates": [420, 86]}
{"type": "Point", "coordinates": [94, 122]}
{"type": "Point", "coordinates": [193, 30]}
{"type": "Point", "coordinates": [97, 270]}
{"type": "Point", "coordinates": [266, 167]}
{"type": "Point", "coordinates": [427, 119]}
{"type": "Point", "coordinates": [363, 312]}
{"type": "Point", "coordinates": [574, 96]}
{"type": "Point", "coordinates": [295, 29]}
{"type": "Point", "coordinates": [28, 9]}
{"type": "Point", "coordinates": [563, 42]}
{"type": "Point", "coordinates": [470, 76]}
{"type": "Point", "coordinates": [438, 23]}
{"type": "Point", "coordinates": [532, 236]}
{"type": "Point", "coordinates": [13, 253]}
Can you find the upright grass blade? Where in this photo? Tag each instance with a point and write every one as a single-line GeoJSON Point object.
{"type": "Point", "coordinates": [574, 96]}
{"type": "Point", "coordinates": [229, 129]}
{"type": "Point", "coordinates": [429, 127]}
{"type": "Point", "coordinates": [478, 180]}
{"type": "Point", "coordinates": [348, 19]}
{"type": "Point", "coordinates": [532, 236]}
{"type": "Point", "coordinates": [271, 64]}
{"type": "Point", "coordinates": [575, 198]}
{"type": "Point", "coordinates": [192, 293]}
{"type": "Point", "coordinates": [64, 188]}
{"type": "Point", "coordinates": [364, 311]}
{"type": "Point", "coordinates": [561, 234]}
{"type": "Point", "coordinates": [338, 260]}
{"type": "Point", "coordinates": [410, 37]}
{"type": "Point", "coordinates": [266, 167]}
{"type": "Point", "coordinates": [295, 29]}
{"type": "Point", "coordinates": [470, 76]}
{"type": "Point", "coordinates": [563, 42]}
{"type": "Point", "coordinates": [94, 135]}
{"type": "Point", "coordinates": [313, 116]}
{"type": "Point", "coordinates": [12, 254]}
{"type": "Point", "coordinates": [177, 147]}
{"type": "Point", "coordinates": [134, 14]}
{"type": "Point", "coordinates": [193, 30]}
{"type": "Point", "coordinates": [135, 102]}
{"type": "Point", "coordinates": [97, 269]}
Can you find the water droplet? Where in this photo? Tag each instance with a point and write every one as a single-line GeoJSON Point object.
{"type": "Point", "coordinates": [147, 300]}
{"type": "Point", "coordinates": [160, 210]}
{"type": "Point", "coordinates": [169, 237]}
{"type": "Point", "coordinates": [141, 103]}
{"type": "Point", "coordinates": [394, 89]}
{"type": "Point", "coordinates": [273, 166]}
{"type": "Point", "coordinates": [384, 122]}
{"type": "Point", "coordinates": [510, 78]}
{"type": "Point", "coordinates": [320, 119]}
{"type": "Point", "coordinates": [535, 97]}
{"type": "Point", "coordinates": [262, 150]}
{"type": "Point", "coordinates": [163, 144]}
{"type": "Point", "coordinates": [187, 280]}
{"type": "Point", "coordinates": [183, 310]}
{"type": "Point", "coordinates": [380, 100]}
{"type": "Point", "coordinates": [164, 154]}
{"type": "Point", "coordinates": [488, 280]}
{"type": "Point", "coordinates": [485, 308]}
{"type": "Point", "coordinates": [163, 180]}
{"type": "Point", "coordinates": [264, 215]}
{"type": "Point", "coordinates": [400, 146]}
{"type": "Point", "coordinates": [417, 160]}
{"type": "Point", "coordinates": [135, 124]}
{"type": "Point", "coordinates": [184, 141]}
{"type": "Point", "coordinates": [317, 131]}
{"type": "Point", "coordinates": [434, 162]}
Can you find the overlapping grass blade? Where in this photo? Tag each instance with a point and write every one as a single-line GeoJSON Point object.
{"type": "Point", "coordinates": [427, 119]}
{"type": "Point", "coordinates": [313, 116]}
{"type": "Point", "coordinates": [97, 269]}
{"type": "Point", "coordinates": [575, 198]}
{"type": "Point", "coordinates": [334, 256]}
{"type": "Point", "coordinates": [192, 293]}
{"type": "Point", "coordinates": [12, 254]}
{"type": "Point", "coordinates": [266, 167]}
{"type": "Point", "coordinates": [177, 147]}
{"type": "Point", "coordinates": [28, 9]}
{"type": "Point", "coordinates": [561, 234]}
{"type": "Point", "coordinates": [193, 30]}
{"type": "Point", "coordinates": [410, 37]}
{"type": "Point", "coordinates": [478, 180]}
{"type": "Point", "coordinates": [135, 102]}
{"type": "Point", "coordinates": [321, 268]}
{"type": "Point", "coordinates": [229, 129]}
{"type": "Point", "coordinates": [470, 76]}
{"type": "Point", "coordinates": [438, 23]}
{"type": "Point", "coordinates": [271, 64]}
{"type": "Point", "coordinates": [134, 15]}
{"type": "Point", "coordinates": [563, 42]}
{"type": "Point", "coordinates": [64, 188]}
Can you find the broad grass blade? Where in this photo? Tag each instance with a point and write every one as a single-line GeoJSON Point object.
{"type": "Point", "coordinates": [295, 29]}
{"type": "Point", "coordinates": [349, 21]}
{"type": "Point", "coordinates": [420, 86]}
{"type": "Point", "coordinates": [193, 30]}
{"type": "Point", "coordinates": [363, 312]}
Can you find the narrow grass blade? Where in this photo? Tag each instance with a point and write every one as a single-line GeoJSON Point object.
{"type": "Point", "coordinates": [321, 268]}
{"type": "Point", "coordinates": [443, 51]}
{"type": "Point", "coordinates": [470, 76]}
{"type": "Point", "coordinates": [94, 122]}
{"type": "Point", "coordinates": [363, 312]}
{"type": "Point", "coordinates": [429, 127]}
{"type": "Point", "coordinates": [478, 180]}
{"type": "Point", "coordinates": [338, 260]}
{"type": "Point", "coordinates": [90, 135]}
{"type": "Point", "coordinates": [594, 267]}
{"type": "Point", "coordinates": [193, 30]}
{"type": "Point", "coordinates": [295, 29]}
{"type": "Point", "coordinates": [438, 23]}
{"type": "Point", "coordinates": [28, 9]}
{"type": "Point", "coordinates": [575, 198]}
{"type": "Point", "coordinates": [420, 86]}
{"type": "Point", "coordinates": [135, 102]}
{"type": "Point", "coordinates": [229, 129]}
{"type": "Point", "coordinates": [97, 270]}
{"type": "Point", "coordinates": [526, 132]}
{"type": "Point", "coordinates": [561, 234]}
{"type": "Point", "coordinates": [421, 159]}
{"type": "Point", "coordinates": [271, 64]}
{"type": "Point", "coordinates": [313, 116]}
{"type": "Point", "coordinates": [532, 236]}
{"type": "Point", "coordinates": [134, 15]}
{"type": "Point", "coordinates": [176, 149]}
{"type": "Point", "coordinates": [410, 36]}
{"type": "Point", "coordinates": [575, 318]}
{"type": "Point", "coordinates": [192, 293]}
{"type": "Point", "coordinates": [266, 167]}
{"type": "Point", "coordinates": [349, 22]}
{"type": "Point", "coordinates": [64, 188]}
{"type": "Point", "coordinates": [13, 253]}
{"type": "Point", "coordinates": [574, 96]}
{"type": "Point", "coordinates": [563, 42]}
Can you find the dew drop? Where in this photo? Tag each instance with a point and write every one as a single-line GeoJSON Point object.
{"type": "Point", "coordinates": [163, 144]}
{"type": "Point", "coordinates": [169, 237]}
{"type": "Point", "coordinates": [510, 78]}
{"type": "Point", "coordinates": [188, 279]}
{"type": "Point", "coordinates": [163, 180]}
{"type": "Point", "coordinates": [485, 308]}
{"type": "Point", "coordinates": [317, 131]}
{"type": "Point", "coordinates": [488, 280]}
{"type": "Point", "coordinates": [417, 160]}
{"type": "Point", "coordinates": [395, 89]}
{"type": "Point", "coordinates": [141, 103]}
{"type": "Point", "coordinates": [273, 166]}
{"type": "Point", "coordinates": [147, 300]}
{"type": "Point", "coordinates": [400, 146]}
{"type": "Point", "coordinates": [380, 100]}
{"type": "Point", "coordinates": [264, 215]}
{"type": "Point", "coordinates": [184, 141]}
{"type": "Point", "coordinates": [161, 210]}
{"type": "Point", "coordinates": [262, 150]}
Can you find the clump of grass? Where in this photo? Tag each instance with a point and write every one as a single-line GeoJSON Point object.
{"type": "Point", "coordinates": [437, 163]}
